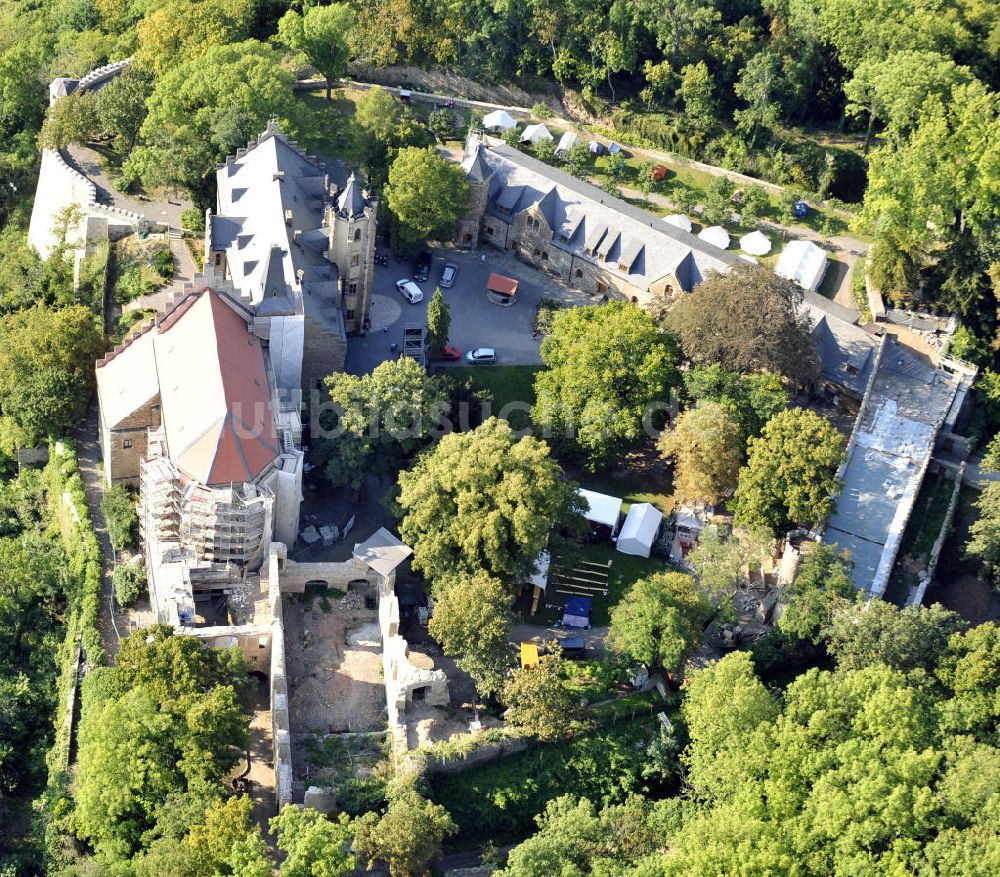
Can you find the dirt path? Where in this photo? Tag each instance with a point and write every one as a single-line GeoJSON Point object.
{"type": "Point", "coordinates": [89, 461]}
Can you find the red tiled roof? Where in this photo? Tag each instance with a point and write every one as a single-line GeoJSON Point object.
{"type": "Point", "coordinates": [501, 284]}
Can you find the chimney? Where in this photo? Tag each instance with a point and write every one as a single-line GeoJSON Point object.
{"type": "Point", "coordinates": [288, 216]}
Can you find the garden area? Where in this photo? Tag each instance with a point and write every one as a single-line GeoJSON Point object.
{"type": "Point", "coordinates": [499, 801]}
{"type": "Point", "coordinates": [141, 266]}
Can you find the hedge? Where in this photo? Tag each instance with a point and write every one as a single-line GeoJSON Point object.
{"type": "Point", "coordinates": [83, 606]}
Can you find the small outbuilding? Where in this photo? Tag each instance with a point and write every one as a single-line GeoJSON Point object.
{"type": "Point", "coordinates": [501, 290]}
{"type": "Point", "coordinates": [535, 134]}
{"type": "Point", "coordinates": [640, 530]}
{"type": "Point", "coordinates": [715, 235]}
{"type": "Point", "coordinates": [802, 262]}
{"type": "Point", "coordinates": [499, 119]}
{"type": "Point", "coordinates": [614, 148]}
{"type": "Point", "coordinates": [576, 612]}
{"type": "Point", "coordinates": [566, 143]}
{"type": "Point", "coordinates": [529, 655]}
{"type": "Point", "coordinates": [602, 511]}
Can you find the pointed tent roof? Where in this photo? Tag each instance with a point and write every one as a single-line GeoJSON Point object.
{"type": "Point", "coordinates": [756, 243]}
{"type": "Point", "coordinates": [498, 119]}
{"type": "Point", "coordinates": [715, 235]}
{"type": "Point", "coordinates": [678, 220]}
{"type": "Point", "coordinates": [351, 201]}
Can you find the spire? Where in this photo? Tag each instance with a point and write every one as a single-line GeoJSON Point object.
{"type": "Point", "coordinates": [479, 170]}
{"type": "Point", "coordinates": [351, 201]}
{"type": "Point", "coordinates": [274, 273]}
{"type": "Point", "coordinates": [272, 128]}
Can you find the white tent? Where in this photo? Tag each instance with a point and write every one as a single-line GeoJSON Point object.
{"type": "Point", "coordinates": [567, 142]}
{"type": "Point", "coordinates": [601, 509]}
{"type": "Point", "coordinates": [749, 259]}
{"type": "Point", "coordinates": [803, 262]}
{"type": "Point", "coordinates": [540, 577]}
{"type": "Point", "coordinates": [498, 119]}
{"type": "Point", "coordinates": [535, 134]}
{"type": "Point", "coordinates": [715, 235]}
{"type": "Point", "coordinates": [595, 147]}
{"type": "Point", "coordinates": [679, 220]}
{"type": "Point", "coordinates": [756, 243]}
{"type": "Point", "coordinates": [642, 524]}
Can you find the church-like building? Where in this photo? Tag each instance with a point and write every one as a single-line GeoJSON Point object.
{"type": "Point", "coordinates": [296, 236]}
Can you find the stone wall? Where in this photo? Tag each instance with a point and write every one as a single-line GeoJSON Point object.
{"type": "Point", "coordinates": [121, 464]}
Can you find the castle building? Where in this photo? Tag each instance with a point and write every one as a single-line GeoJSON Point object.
{"type": "Point", "coordinates": [296, 237]}
{"type": "Point", "coordinates": [575, 231]}
{"type": "Point", "coordinates": [189, 411]}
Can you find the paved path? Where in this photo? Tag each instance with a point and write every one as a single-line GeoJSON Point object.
{"type": "Point", "coordinates": [88, 161]}
{"type": "Point", "coordinates": [89, 461]}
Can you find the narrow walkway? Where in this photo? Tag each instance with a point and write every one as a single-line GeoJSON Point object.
{"type": "Point", "coordinates": [89, 460]}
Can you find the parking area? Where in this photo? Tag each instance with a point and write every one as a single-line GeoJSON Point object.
{"type": "Point", "coordinates": [475, 322]}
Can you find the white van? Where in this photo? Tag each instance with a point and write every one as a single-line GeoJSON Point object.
{"type": "Point", "coordinates": [410, 291]}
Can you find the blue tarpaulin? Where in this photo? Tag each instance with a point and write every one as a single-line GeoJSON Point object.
{"type": "Point", "coordinates": [576, 612]}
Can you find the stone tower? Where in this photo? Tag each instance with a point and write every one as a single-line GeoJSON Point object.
{"type": "Point", "coordinates": [351, 225]}
{"type": "Point", "coordinates": [478, 174]}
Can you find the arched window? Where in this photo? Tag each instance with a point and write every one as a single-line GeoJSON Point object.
{"type": "Point", "coordinates": [357, 234]}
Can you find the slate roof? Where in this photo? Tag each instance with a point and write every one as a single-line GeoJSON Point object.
{"type": "Point", "coordinates": [846, 352]}
{"type": "Point", "coordinates": [595, 225]}
{"type": "Point", "coordinates": [267, 193]}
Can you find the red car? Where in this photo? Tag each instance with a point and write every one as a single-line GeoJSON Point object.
{"type": "Point", "coordinates": [451, 354]}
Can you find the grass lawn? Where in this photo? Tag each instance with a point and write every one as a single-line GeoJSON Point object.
{"type": "Point", "coordinates": [925, 523]}
{"type": "Point", "coordinates": [623, 571]}
{"type": "Point", "coordinates": [632, 485]}
{"type": "Point", "coordinates": [508, 384]}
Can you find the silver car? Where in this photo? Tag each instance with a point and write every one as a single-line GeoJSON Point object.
{"type": "Point", "coordinates": [448, 275]}
{"type": "Point", "coordinates": [481, 356]}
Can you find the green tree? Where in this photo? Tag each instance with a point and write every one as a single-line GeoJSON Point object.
{"type": "Point", "coordinates": [752, 399]}
{"type": "Point", "coordinates": [314, 845]}
{"type": "Point", "coordinates": [538, 704]}
{"type": "Point", "coordinates": [822, 584]}
{"type": "Point", "coordinates": [608, 373]}
{"type": "Point", "coordinates": [442, 123]}
{"type": "Point", "coordinates": [118, 504]}
{"type": "Point", "coordinates": [790, 478]}
{"type": "Point", "coordinates": [472, 620]}
{"type": "Point", "coordinates": [659, 620]}
{"type": "Point", "coordinates": [707, 449]}
{"type": "Point", "coordinates": [877, 632]}
{"type": "Point", "coordinates": [697, 91]}
{"type": "Point", "coordinates": [383, 419]}
{"type": "Point", "coordinates": [406, 837]}
{"type": "Point", "coordinates": [47, 367]}
{"type": "Point", "coordinates": [748, 320]}
{"type": "Point", "coordinates": [970, 669]}
{"type": "Point", "coordinates": [129, 582]}
{"type": "Point", "coordinates": [758, 87]}
{"type": "Point", "coordinates": [177, 31]}
{"type": "Point", "coordinates": [72, 119]}
{"type": "Point", "coordinates": [722, 703]}
{"type": "Point", "coordinates": [482, 501]}
{"type": "Point", "coordinates": [205, 108]}
{"type": "Point", "coordinates": [121, 105]}
{"type": "Point", "coordinates": [719, 200]}
{"type": "Point", "coordinates": [753, 205]}
{"type": "Point", "coordinates": [323, 35]}
{"type": "Point", "coordinates": [427, 194]}
{"type": "Point", "coordinates": [984, 532]}
{"type": "Point", "coordinates": [438, 324]}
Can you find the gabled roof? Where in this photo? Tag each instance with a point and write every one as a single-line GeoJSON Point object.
{"type": "Point", "coordinates": [478, 170]}
{"type": "Point", "coordinates": [127, 381]}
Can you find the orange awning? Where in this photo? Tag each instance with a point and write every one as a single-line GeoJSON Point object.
{"type": "Point", "coordinates": [502, 285]}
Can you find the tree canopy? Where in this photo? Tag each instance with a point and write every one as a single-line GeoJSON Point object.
{"type": "Point", "coordinates": [790, 478]}
{"type": "Point", "coordinates": [382, 419]}
{"type": "Point", "coordinates": [322, 34]}
{"type": "Point", "coordinates": [707, 450]}
{"type": "Point", "coordinates": [482, 501]}
{"type": "Point", "coordinates": [748, 320]}
{"type": "Point", "coordinates": [659, 620]}
{"type": "Point", "coordinates": [427, 194]}
{"type": "Point", "coordinates": [609, 372]}
{"type": "Point", "coordinates": [538, 704]}
{"type": "Point", "coordinates": [406, 837]}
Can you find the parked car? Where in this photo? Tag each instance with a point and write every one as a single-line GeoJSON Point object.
{"type": "Point", "coordinates": [481, 356]}
{"type": "Point", "coordinates": [448, 275]}
{"type": "Point", "coordinates": [451, 354]}
{"type": "Point", "coordinates": [410, 291]}
{"type": "Point", "coordinates": [422, 269]}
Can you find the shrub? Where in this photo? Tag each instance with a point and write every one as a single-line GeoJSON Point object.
{"type": "Point", "coordinates": [118, 506]}
{"type": "Point", "coordinates": [129, 580]}
{"type": "Point", "coordinates": [193, 219]}
{"type": "Point", "coordinates": [129, 285]}
{"type": "Point", "coordinates": [541, 110]}
{"type": "Point", "coordinates": [163, 264]}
